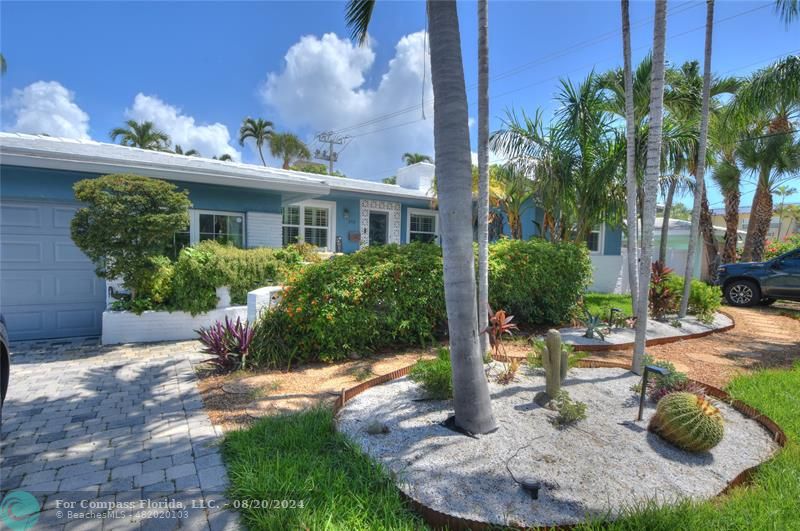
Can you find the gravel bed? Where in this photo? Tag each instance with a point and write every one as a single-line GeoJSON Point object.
{"type": "Point", "coordinates": [595, 468]}
{"type": "Point", "coordinates": [655, 330]}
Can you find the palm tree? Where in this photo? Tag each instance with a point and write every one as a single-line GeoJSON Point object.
{"type": "Point", "coordinates": [652, 170]}
{"type": "Point", "coordinates": [774, 158]}
{"type": "Point", "coordinates": [512, 192]}
{"type": "Point", "coordinates": [631, 183]}
{"type": "Point", "coordinates": [3, 65]}
{"type": "Point", "coordinates": [413, 158]}
{"type": "Point", "coordinates": [288, 147]}
{"type": "Point", "coordinates": [699, 189]}
{"type": "Point", "coordinates": [788, 10]}
{"type": "Point", "coordinates": [783, 191]}
{"type": "Point", "coordinates": [224, 157]}
{"type": "Point", "coordinates": [142, 135]}
{"type": "Point", "coordinates": [728, 177]}
{"type": "Point", "coordinates": [471, 400]}
{"type": "Point", "coordinates": [259, 130]}
{"type": "Point", "coordinates": [483, 172]}
{"type": "Point", "coordinates": [190, 153]}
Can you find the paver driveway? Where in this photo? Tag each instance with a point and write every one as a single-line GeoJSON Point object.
{"type": "Point", "coordinates": [91, 425]}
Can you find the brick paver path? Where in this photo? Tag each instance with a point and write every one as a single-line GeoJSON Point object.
{"type": "Point", "coordinates": [92, 425]}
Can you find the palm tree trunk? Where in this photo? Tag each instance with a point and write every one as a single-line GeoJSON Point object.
{"type": "Point", "coordinates": [652, 170]}
{"type": "Point", "coordinates": [662, 248]}
{"type": "Point", "coordinates": [707, 232]}
{"type": "Point", "coordinates": [765, 210]}
{"type": "Point", "coordinates": [780, 219]}
{"type": "Point", "coordinates": [755, 208]}
{"type": "Point", "coordinates": [631, 187]}
{"type": "Point", "coordinates": [261, 154]}
{"type": "Point", "coordinates": [732, 198]}
{"type": "Point", "coordinates": [471, 401]}
{"type": "Point", "coordinates": [483, 172]}
{"type": "Point", "coordinates": [699, 189]}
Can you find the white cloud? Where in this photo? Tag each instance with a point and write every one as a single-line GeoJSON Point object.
{"type": "Point", "coordinates": [48, 107]}
{"type": "Point", "coordinates": [323, 87]}
{"type": "Point", "coordinates": [209, 140]}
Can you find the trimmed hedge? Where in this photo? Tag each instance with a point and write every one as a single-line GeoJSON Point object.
{"type": "Point", "coordinates": [536, 281]}
{"type": "Point", "coordinates": [394, 296]}
{"type": "Point", "coordinates": [201, 269]}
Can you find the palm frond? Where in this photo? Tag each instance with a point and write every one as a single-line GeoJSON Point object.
{"type": "Point", "coordinates": [358, 14]}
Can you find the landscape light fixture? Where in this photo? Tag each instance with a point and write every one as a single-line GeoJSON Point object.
{"type": "Point", "coordinates": [648, 369]}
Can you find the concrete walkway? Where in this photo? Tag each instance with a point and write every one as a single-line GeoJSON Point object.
{"type": "Point", "coordinates": [119, 427]}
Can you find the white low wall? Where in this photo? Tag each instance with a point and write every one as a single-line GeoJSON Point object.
{"type": "Point", "coordinates": [127, 327]}
{"type": "Point", "coordinates": [608, 274]}
{"type": "Point", "coordinates": [261, 298]}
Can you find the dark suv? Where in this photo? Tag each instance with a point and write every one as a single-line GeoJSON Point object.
{"type": "Point", "coordinates": [751, 283]}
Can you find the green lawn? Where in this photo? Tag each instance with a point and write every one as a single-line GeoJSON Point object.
{"type": "Point", "coordinates": [301, 457]}
{"type": "Point", "coordinates": [603, 302]}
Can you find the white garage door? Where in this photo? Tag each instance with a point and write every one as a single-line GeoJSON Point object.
{"type": "Point", "coordinates": [48, 288]}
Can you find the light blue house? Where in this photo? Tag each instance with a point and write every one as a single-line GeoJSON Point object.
{"type": "Point", "coordinates": [48, 287]}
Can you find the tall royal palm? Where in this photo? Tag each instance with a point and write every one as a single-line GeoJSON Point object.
{"type": "Point", "coordinates": [631, 183]}
{"type": "Point", "coordinates": [650, 187]}
{"type": "Point", "coordinates": [142, 135]}
{"type": "Point", "coordinates": [471, 401]}
{"type": "Point", "coordinates": [288, 147]}
{"type": "Point", "coordinates": [483, 171]}
{"type": "Point", "coordinates": [699, 188]}
{"type": "Point", "coordinates": [259, 130]}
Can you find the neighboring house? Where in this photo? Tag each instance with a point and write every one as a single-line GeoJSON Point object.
{"type": "Point", "coordinates": [788, 225]}
{"type": "Point", "coordinates": [678, 246]}
{"type": "Point", "coordinates": [49, 288]}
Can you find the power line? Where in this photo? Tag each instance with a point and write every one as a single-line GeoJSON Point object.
{"type": "Point", "coordinates": [520, 68]}
{"type": "Point", "coordinates": [539, 82]}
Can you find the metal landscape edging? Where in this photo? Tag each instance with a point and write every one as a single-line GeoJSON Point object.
{"type": "Point", "coordinates": [439, 520]}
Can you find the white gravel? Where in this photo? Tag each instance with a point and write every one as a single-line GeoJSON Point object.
{"type": "Point", "coordinates": [596, 468]}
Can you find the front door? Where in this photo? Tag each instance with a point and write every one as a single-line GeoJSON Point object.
{"type": "Point", "coordinates": [378, 228]}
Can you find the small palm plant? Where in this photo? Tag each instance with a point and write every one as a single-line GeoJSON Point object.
{"type": "Point", "coordinates": [259, 130]}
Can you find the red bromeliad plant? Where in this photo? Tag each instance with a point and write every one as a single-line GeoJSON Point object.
{"type": "Point", "coordinates": [662, 298]}
{"type": "Point", "coordinates": [229, 342]}
{"type": "Point", "coordinates": [499, 324]}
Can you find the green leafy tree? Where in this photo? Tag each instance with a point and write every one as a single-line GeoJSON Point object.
{"type": "Point", "coordinates": [142, 135]}
{"type": "Point", "coordinates": [390, 180]}
{"type": "Point", "coordinates": [259, 130]}
{"type": "Point", "coordinates": [413, 158]}
{"type": "Point", "coordinates": [680, 211]}
{"type": "Point", "coordinates": [128, 221]}
{"type": "Point", "coordinates": [288, 147]}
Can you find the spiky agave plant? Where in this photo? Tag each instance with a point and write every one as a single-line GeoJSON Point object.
{"type": "Point", "coordinates": [688, 421]}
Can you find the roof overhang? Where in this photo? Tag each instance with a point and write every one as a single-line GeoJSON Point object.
{"type": "Point", "coordinates": [203, 171]}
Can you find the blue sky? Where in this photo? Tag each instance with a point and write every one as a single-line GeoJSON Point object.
{"type": "Point", "coordinates": [198, 68]}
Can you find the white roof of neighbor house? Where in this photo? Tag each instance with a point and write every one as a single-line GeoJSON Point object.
{"type": "Point", "coordinates": [42, 151]}
{"type": "Point", "coordinates": [682, 226]}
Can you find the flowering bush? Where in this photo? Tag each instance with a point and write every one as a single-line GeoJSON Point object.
{"type": "Point", "coordinates": [777, 248]}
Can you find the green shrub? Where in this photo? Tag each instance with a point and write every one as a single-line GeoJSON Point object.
{"type": "Point", "coordinates": [435, 376]}
{"type": "Point", "coordinates": [272, 346]}
{"type": "Point", "coordinates": [157, 286]}
{"type": "Point", "coordinates": [569, 411]}
{"type": "Point", "coordinates": [378, 297]}
{"type": "Point", "coordinates": [777, 248]}
{"type": "Point", "coordinates": [704, 299]}
{"type": "Point", "coordinates": [128, 221]}
{"type": "Point", "coordinates": [536, 281]}
{"type": "Point", "coordinates": [201, 269]}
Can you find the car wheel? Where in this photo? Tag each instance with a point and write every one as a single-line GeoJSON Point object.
{"type": "Point", "coordinates": [742, 293]}
{"type": "Point", "coordinates": [767, 301]}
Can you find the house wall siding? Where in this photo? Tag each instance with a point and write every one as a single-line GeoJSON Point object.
{"type": "Point", "coordinates": [264, 230]}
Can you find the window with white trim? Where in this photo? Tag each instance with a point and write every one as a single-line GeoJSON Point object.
{"type": "Point", "coordinates": [595, 240]}
{"type": "Point", "coordinates": [423, 226]}
{"type": "Point", "coordinates": [224, 227]}
{"type": "Point", "coordinates": [311, 223]}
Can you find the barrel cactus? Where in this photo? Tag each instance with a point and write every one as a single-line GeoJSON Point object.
{"type": "Point", "coordinates": [688, 421]}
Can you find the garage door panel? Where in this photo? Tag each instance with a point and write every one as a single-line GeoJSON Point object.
{"type": "Point", "coordinates": [48, 287]}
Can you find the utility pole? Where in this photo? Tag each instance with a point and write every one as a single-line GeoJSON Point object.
{"type": "Point", "coordinates": [332, 139]}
